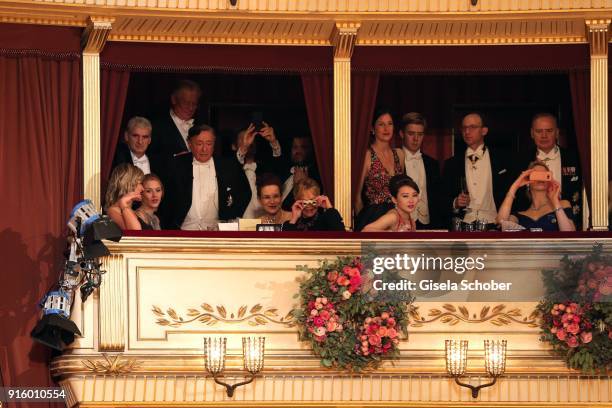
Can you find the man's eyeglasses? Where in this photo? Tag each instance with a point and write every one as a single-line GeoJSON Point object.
{"type": "Point", "coordinates": [470, 127]}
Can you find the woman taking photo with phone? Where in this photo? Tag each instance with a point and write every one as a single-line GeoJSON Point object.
{"type": "Point", "coordinates": [546, 209]}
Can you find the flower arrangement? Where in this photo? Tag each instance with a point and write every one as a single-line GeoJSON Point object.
{"type": "Point", "coordinates": [577, 311]}
{"type": "Point", "coordinates": [346, 328]}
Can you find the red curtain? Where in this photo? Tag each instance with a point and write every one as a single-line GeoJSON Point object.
{"type": "Point", "coordinates": [364, 89]}
{"type": "Point", "coordinates": [319, 98]}
{"type": "Point", "coordinates": [580, 84]}
{"type": "Point", "coordinates": [114, 87]}
{"type": "Point", "coordinates": [40, 179]}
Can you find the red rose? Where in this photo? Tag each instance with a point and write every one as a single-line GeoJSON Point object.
{"type": "Point", "coordinates": [572, 341]}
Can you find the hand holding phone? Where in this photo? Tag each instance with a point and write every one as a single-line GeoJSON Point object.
{"type": "Point", "coordinates": [540, 176]}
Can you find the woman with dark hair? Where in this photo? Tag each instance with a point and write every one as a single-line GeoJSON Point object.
{"type": "Point", "coordinates": [311, 210]}
{"type": "Point", "coordinates": [546, 210]}
{"type": "Point", "coordinates": [381, 162]}
{"type": "Point", "coordinates": [270, 199]}
{"type": "Point", "coordinates": [124, 187]}
{"type": "Point", "coordinates": [152, 194]}
{"type": "Point", "coordinates": [405, 197]}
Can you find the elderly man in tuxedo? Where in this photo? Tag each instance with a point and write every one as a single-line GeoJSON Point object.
{"type": "Point", "coordinates": [137, 138]}
{"type": "Point", "coordinates": [424, 170]}
{"type": "Point", "coordinates": [302, 166]}
{"type": "Point", "coordinates": [478, 177]}
{"type": "Point", "coordinates": [170, 131]}
{"type": "Point", "coordinates": [563, 163]}
{"type": "Point", "coordinates": [202, 189]}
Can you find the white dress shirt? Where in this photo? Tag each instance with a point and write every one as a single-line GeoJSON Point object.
{"type": "Point", "coordinates": [254, 209]}
{"type": "Point", "coordinates": [553, 160]}
{"type": "Point", "coordinates": [479, 178]}
{"type": "Point", "coordinates": [204, 211]}
{"type": "Point", "coordinates": [183, 126]}
{"type": "Point", "coordinates": [142, 163]}
{"type": "Point", "coordinates": [415, 169]}
{"type": "Point", "coordinates": [288, 184]}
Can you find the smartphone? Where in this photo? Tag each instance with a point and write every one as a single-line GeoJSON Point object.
{"type": "Point", "coordinates": [540, 176]}
{"type": "Point", "coordinates": [257, 120]}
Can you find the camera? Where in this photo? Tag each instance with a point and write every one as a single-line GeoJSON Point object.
{"type": "Point", "coordinates": [312, 203]}
{"type": "Point", "coordinates": [540, 176]}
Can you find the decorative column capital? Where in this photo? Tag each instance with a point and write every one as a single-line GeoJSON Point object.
{"type": "Point", "coordinates": [95, 34]}
{"type": "Point", "coordinates": [598, 32]}
{"type": "Point", "coordinates": [343, 39]}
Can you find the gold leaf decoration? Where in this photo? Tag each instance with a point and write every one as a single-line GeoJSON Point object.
{"type": "Point", "coordinates": [257, 316]}
{"type": "Point", "coordinates": [111, 365]}
{"type": "Point", "coordinates": [452, 316]}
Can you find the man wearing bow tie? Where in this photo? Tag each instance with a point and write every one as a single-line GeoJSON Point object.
{"type": "Point", "coordinates": [563, 164]}
{"type": "Point", "coordinates": [203, 189]}
{"type": "Point", "coordinates": [170, 131]}
{"type": "Point", "coordinates": [478, 178]}
{"type": "Point", "coordinates": [137, 138]}
{"type": "Point", "coordinates": [302, 166]}
{"type": "Point", "coordinates": [423, 169]}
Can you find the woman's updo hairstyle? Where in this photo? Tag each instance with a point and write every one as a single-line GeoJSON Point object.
{"type": "Point", "coordinates": [401, 180]}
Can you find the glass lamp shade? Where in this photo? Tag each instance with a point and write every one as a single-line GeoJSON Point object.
{"type": "Point", "coordinates": [456, 356]}
{"type": "Point", "coordinates": [495, 357]}
{"type": "Point", "coordinates": [253, 352]}
{"type": "Point", "coordinates": [214, 354]}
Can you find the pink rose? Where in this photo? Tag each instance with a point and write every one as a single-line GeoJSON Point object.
{"type": "Point", "coordinates": [324, 314]}
{"type": "Point", "coordinates": [320, 331]}
{"type": "Point", "coordinates": [332, 276]}
{"type": "Point", "coordinates": [317, 321]}
{"type": "Point", "coordinates": [561, 306]}
{"type": "Point", "coordinates": [592, 283]}
{"type": "Point", "coordinates": [355, 281]}
{"type": "Point", "coordinates": [384, 315]}
{"type": "Point", "coordinates": [573, 328]}
{"type": "Point", "coordinates": [390, 322]}
{"type": "Point", "coordinates": [561, 334]}
{"type": "Point", "coordinates": [314, 312]}
{"type": "Point", "coordinates": [586, 337]}
{"type": "Point", "coordinates": [372, 328]}
{"type": "Point", "coordinates": [374, 340]}
{"type": "Point", "coordinates": [576, 319]}
{"type": "Point", "coordinates": [331, 326]}
{"type": "Point", "coordinates": [392, 333]}
{"type": "Point", "coordinates": [572, 341]}
{"type": "Point", "coordinates": [382, 331]}
{"type": "Point", "coordinates": [567, 317]}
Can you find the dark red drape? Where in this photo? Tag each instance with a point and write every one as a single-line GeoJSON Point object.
{"type": "Point", "coordinates": [580, 83]}
{"type": "Point", "coordinates": [364, 88]}
{"type": "Point", "coordinates": [40, 179]}
{"type": "Point", "coordinates": [113, 91]}
{"type": "Point", "coordinates": [319, 98]}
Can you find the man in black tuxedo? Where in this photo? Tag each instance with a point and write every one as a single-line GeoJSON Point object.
{"type": "Point", "coordinates": [170, 131]}
{"type": "Point", "coordinates": [563, 163]}
{"type": "Point", "coordinates": [202, 189]}
{"type": "Point", "coordinates": [486, 171]}
{"type": "Point", "coordinates": [137, 138]}
{"type": "Point", "coordinates": [423, 169]}
{"type": "Point", "coordinates": [302, 166]}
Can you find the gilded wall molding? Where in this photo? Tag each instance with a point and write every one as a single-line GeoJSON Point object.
{"type": "Point", "coordinates": [453, 315]}
{"type": "Point", "coordinates": [95, 34]}
{"type": "Point", "coordinates": [112, 314]}
{"type": "Point", "coordinates": [113, 365]}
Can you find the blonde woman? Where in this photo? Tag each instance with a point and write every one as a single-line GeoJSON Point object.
{"type": "Point", "coordinates": [124, 187]}
{"type": "Point", "coordinates": [152, 194]}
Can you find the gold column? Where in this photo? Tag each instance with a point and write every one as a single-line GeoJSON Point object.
{"type": "Point", "coordinates": [343, 39]}
{"type": "Point", "coordinates": [113, 308]}
{"type": "Point", "coordinates": [598, 38]}
{"type": "Point", "coordinates": [92, 43]}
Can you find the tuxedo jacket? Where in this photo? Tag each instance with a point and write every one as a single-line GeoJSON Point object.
{"type": "Point", "coordinates": [434, 195]}
{"type": "Point", "coordinates": [233, 190]}
{"type": "Point", "coordinates": [166, 138]}
{"type": "Point", "coordinates": [502, 171]}
{"type": "Point", "coordinates": [571, 180]}
{"type": "Point", "coordinates": [122, 155]}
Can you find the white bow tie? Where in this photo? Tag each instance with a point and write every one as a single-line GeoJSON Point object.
{"type": "Point", "coordinates": [416, 156]}
{"type": "Point", "coordinates": [143, 159]}
{"type": "Point", "coordinates": [552, 155]}
{"type": "Point", "coordinates": [200, 164]}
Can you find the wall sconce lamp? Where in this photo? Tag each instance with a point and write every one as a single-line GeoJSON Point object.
{"type": "Point", "coordinates": [234, 2]}
{"type": "Point", "coordinates": [253, 359]}
{"type": "Point", "coordinates": [456, 361]}
{"type": "Point", "coordinates": [474, 3]}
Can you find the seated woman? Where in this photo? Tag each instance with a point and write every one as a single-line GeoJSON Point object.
{"type": "Point", "coordinates": [270, 199]}
{"type": "Point", "coordinates": [124, 187]}
{"type": "Point", "coordinates": [312, 211]}
{"type": "Point", "coordinates": [152, 194]}
{"type": "Point", "coordinates": [546, 210]}
{"type": "Point", "coordinates": [405, 197]}
{"type": "Point", "coordinates": [381, 162]}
